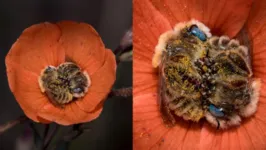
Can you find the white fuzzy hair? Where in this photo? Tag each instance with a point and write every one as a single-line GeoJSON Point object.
{"type": "Point", "coordinates": [251, 108]}
{"type": "Point", "coordinates": [224, 124]}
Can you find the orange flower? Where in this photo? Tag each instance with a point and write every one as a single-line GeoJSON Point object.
{"type": "Point", "coordinates": [48, 44]}
{"type": "Point", "coordinates": [151, 19]}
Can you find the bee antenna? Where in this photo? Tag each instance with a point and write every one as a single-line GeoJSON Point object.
{"type": "Point", "coordinates": [218, 124]}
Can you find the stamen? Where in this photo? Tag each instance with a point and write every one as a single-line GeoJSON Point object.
{"type": "Point", "coordinates": [64, 83]}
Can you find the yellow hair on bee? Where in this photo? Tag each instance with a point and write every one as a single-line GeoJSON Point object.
{"type": "Point", "coordinates": [40, 81]}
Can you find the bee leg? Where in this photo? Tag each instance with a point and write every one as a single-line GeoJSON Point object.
{"type": "Point", "coordinates": [218, 124]}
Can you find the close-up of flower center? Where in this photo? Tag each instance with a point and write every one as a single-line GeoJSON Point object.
{"type": "Point", "coordinates": [64, 83]}
{"type": "Point", "coordinates": [204, 76]}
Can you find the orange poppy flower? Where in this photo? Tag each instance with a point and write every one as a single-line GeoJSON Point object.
{"type": "Point", "coordinates": [153, 18]}
{"type": "Point", "coordinates": [68, 95]}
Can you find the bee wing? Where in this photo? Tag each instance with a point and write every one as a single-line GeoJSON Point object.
{"type": "Point", "coordinates": [168, 118]}
{"type": "Point", "coordinates": [243, 37]}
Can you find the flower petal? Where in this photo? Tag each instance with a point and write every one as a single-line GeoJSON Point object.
{"type": "Point", "coordinates": [149, 131]}
{"type": "Point", "coordinates": [101, 84]}
{"type": "Point", "coordinates": [25, 87]}
{"type": "Point", "coordinates": [36, 48]}
{"type": "Point", "coordinates": [249, 135]}
{"type": "Point", "coordinates": [43, 121]}
{"type": "Point", "coordinates": [73, 117]}
{"type": "Point", "coordinates": [217, 139]}
{"type": "Point", "coordinates": [145, 79]}
{"type": "Point", "coordinates": [51, 112]}
{"type": "Point", "coordinates": [222, 17]}
{"type": "Point", "coordinates": [69, 115]}
{"type": "Point", "coordinates": [256, 19]}
{"type": "Point", "coordinates": [148, 25]}
{"type": "Point", "coordinates": [74, 113]}
{"type": "Point", "coordinates": [252, 135]}
{"type": "Point", "coordinates": [94, 115]}
{"type": "Point", "coordinates": [256, 27]}
{"type": "Point", "coordinates": [83, 45]}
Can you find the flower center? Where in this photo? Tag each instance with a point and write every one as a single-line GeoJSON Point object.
{"type": "Point", "coordinates": [204, 76]}
{"type": "Point", "coordinates": [64, 83]}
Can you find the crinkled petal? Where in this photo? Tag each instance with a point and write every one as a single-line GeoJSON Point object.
{"type": "Point", "coordinates": [72, 118]}
{"type": "Point", "coordinates": [83, 45]}
{"type": "Point", "coordinates": [222, 17]}
{"type": "Point", "coordinates": [74, 114]}
{"type": "Point", "coordinates": [26, 90]}
{"type": "Point", "coordinates": [36, 48]}
{"type": "Point", "coordinates": [51, 112]}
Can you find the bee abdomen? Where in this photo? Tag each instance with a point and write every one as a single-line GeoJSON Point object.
{"type": "Point", "coordinates": [189, 109]}
{"type": "Point", "coordinates": [223, 43]}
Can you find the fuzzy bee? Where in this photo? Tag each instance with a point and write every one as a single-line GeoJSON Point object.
{"type": "Point", "coordinates": [64, 83]}
{"type": "Point", "coordinates": [204, 77]}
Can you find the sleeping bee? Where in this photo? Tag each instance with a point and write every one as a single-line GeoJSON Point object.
{"type": "Point", "coordinates": [204, 77]}
{"type": "Point", "coordinates": [64, 83]}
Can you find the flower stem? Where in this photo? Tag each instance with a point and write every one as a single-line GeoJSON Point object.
{"type": "Point", "coordinates": [125, 47]}
{"type": "Point", "coordinates": [34, 129]}
{"type": "Point", "coordinates": [46, 129]}
{"type": "Point", "coordinates": [123, 92]}
{"type": "Point", "coordinates": [76, 132]}
{"type": "Point", "coordinates": [13, 123]}
{"type": "Point", "coordinates": [50, 136]}
{"type": "Point", "coordinates": [125, 42]}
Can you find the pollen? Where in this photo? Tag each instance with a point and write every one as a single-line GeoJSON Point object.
{"type": "Point", "coordinates": [64, 83]}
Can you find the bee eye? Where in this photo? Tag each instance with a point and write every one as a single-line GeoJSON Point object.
{"type": "Point", "coordinates": [197, 32]}
{"type": "Point", "coordinates": [77, 90]}
{"type": "Point", "coordinates": [49, 69]}
{"type": "Point", "coordinates": [217, 112]}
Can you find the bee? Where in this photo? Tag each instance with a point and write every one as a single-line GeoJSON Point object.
{"type": "Point", "coordinates": [64, 83]}
{"type": "Point", "coordinates": [203, 76]}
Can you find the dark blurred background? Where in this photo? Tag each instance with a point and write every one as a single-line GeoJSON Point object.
{"type": "Point", "coordinates": [111, 18]}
